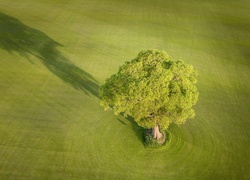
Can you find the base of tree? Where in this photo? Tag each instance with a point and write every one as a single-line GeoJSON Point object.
{"type": "Point", "coordinates": [150, 141]}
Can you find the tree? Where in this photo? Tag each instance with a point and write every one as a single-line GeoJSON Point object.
{"type": "Point", "coordinates": [152, 89]}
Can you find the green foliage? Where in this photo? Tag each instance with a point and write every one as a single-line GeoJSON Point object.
{"type": "Point", "coordinates": [151, 142]}
{"type": "Point", "coordinates": [153, 89]}
{"type": "Point", "coordinates": [50, 131]}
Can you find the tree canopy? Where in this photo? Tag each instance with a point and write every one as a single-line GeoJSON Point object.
{"type": "Point", "coordinates": [153, 89]}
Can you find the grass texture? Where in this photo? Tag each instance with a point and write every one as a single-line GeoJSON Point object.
{"type": "Point", "coordinates": [55, 54]}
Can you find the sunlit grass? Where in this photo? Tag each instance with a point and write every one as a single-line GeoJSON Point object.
{"type": "Point", "coordinates": [51, 124]}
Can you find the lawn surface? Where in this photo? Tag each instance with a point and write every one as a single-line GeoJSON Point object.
{"type": "Point", "coordinates": [55, 54]}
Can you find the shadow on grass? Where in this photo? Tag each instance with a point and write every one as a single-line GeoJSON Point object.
{"type": "Point", "coordinates": [18, 37]}
{"type": "Point", "coordinates": [137, 129]}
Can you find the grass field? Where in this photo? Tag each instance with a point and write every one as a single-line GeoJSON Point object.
{"type": "Point", "coordinates": [54, 54]}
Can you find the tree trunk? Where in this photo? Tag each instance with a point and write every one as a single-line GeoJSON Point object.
{"type": "Point", "coordinates": [156, 133]}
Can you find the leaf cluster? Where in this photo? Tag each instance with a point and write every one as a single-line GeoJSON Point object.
{"type": "Point", "coordinates": [152, 89]}
{"type": "Point", "coordinates": [151, 142]}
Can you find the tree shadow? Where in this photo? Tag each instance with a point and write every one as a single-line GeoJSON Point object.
{"type": "Point", "coordinates": [15, 36]}
{"type": "Point", "coordinates": [122, 122]}
{"type": "Point", "coordinates": [138, 131]}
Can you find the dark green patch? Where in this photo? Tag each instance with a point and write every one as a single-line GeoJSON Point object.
{"type": "Point", "coordinates": [150, 141]}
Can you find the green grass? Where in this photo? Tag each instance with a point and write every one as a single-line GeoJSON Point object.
{"type": "Point", "coordinates": [54, 56]}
